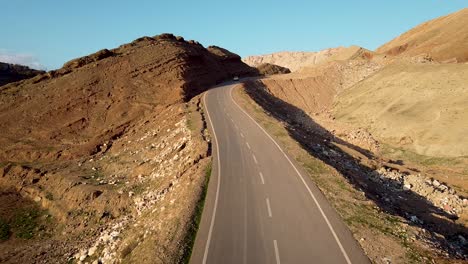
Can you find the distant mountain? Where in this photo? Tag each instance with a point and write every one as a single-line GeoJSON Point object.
{"type": "Point", "coordinates": [13, 72]}
{"type": "Point", "coordinates": [297, 60]}
{"type": "Point", "coordinates": [443, 39]}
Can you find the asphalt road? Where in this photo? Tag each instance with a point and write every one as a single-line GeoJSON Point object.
{"type": "Point", "coordinates": [261, 207]}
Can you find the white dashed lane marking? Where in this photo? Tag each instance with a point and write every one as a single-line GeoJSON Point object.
{"type": "Point", "coordinates": [261, 177]}
{"type": "Point", "coordinates": [255, 159]}
{"type": "Point", "coordinates": [268, 207]}
{"type": "Point", "coordinates": [275, 244]}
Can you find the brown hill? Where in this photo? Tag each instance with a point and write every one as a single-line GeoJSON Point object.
{"type": "Point", "coordinates": [271, 69]}
{"type": "Point", "coordinates": [13, 73]}
{"type": "Point", "coordinates": [91, 98]}
{"type": "Point", "coordinates": [93, 148]}
{"type": "Point", "coordinates": [443, 39]}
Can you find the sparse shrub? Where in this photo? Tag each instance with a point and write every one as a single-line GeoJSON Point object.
{"type": "Point", "coordinates": [25, 223]}
{"type": "Point", "coordinates": [4, 230]}
{"type": "Point", "coordinates": [49, 196]}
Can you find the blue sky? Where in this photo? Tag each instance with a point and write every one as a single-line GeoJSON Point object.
{"type": "Point", "coordinates": [48, 33]}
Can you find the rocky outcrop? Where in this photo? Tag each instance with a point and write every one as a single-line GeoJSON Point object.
{"type": "Point", "coordinates": [76, 63]}
{"type": "Point", "coordinates": [271, 69]}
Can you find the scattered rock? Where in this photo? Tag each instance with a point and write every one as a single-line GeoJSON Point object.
{"type": "Point", "coordinates": [415, 219]}
{"type": "Point", "coordinates": [92, 250]}
{"type": "Point", "coordinates": [462, 240]}
{"type": "Point", "coordinates": [386, 260]}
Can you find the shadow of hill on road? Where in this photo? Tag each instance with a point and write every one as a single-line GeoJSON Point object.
{"type": "Point", "coordinates": [320, 143]}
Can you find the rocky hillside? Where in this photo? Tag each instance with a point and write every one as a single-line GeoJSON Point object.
{"type": "Point", "coordinates": [108, 143]}
{"type": "Point", "coordinates": [297, 60]}
{"type": "Point", "coordinates": [92, 99]}
{"type": "Point", "coordinates": [442, 39]}
{"type": "Point", "coordinates": [271, 69]}
{"type": "Point", "coordinates": [13, 73]}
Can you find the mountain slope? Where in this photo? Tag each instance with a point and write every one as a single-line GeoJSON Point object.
{"type": "Point", "coordinates": [94, 95]}
{"type": "Point", "coordinates": [444, 38]}
{"type": "Point", "coordinates": [421, 107]}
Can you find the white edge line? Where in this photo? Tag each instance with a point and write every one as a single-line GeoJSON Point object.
{"type": "Point", "coordinates": [261, 177]}
{"type": "Point", "coordinates": [255, 159]}
{"type": "Point", "coordinates": [276, 252]}
{"type": "Point", "coordinates": [248, 145]}
{"type": "Point", "coordinates": [242, 135]}
{"type": "Point", "coordinates": [207, 246]}
{"type": "Point", "coordinates": [268, 207]}
{"type": "Point", "coordinates": [303, 181]}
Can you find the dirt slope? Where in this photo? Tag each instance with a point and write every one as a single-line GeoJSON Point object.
{"type": "Point", "coordinates": [13, 73]}
{"type": "Point", "coordinates": [111, 140]}
{"type": "Point", "coordinates": [422, 107]}
{"type": "Point", "coordinates": [444, 39]}
{"type": "Point", "coordinates": [313, 89]}
{"type": "Point", "coordinates": [297, 60]}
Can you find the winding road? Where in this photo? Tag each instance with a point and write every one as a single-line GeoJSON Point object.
{"type": "Point", "coordinates": [261, 207]}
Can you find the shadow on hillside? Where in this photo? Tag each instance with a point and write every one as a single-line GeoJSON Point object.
{"type": "Point", "coordinates": [320, 143]}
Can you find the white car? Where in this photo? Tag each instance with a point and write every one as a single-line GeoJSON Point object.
{"type": "Point", "coordinates": [235, 78]}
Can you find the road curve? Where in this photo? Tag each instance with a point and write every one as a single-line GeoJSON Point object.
{"type": "Point", "coordinates": [261, 207]}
